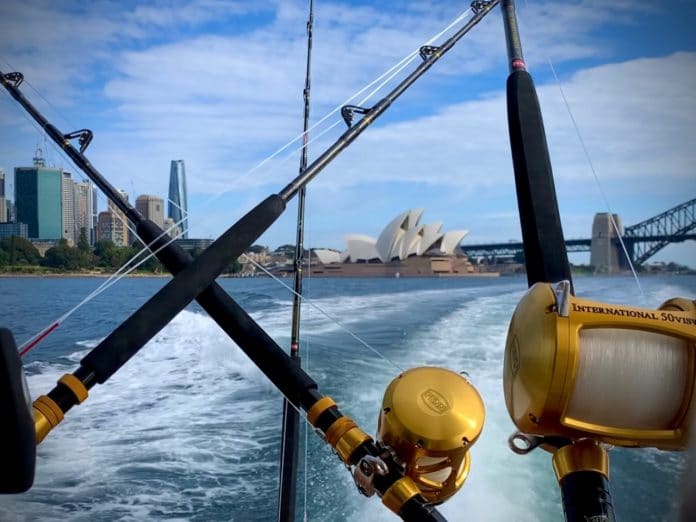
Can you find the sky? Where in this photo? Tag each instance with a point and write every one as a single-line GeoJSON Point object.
{"type": "Point", "coordinates": [219, 84]}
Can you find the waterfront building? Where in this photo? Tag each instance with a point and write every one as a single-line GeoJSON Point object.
{"type": "Point", "coordinates": [112, 226]}
{"type": "Point", "coordinates": [152, 208]}
{"type": "Point", "coordinates": [11, 211]}
{"type": "Point", "coordinates": [95, 213]}
{"type": "Point", "coordinates": [172, 228]}
{"type": "Point", "coordinates": [115, 225]}
{"type": "Point", "coordinates": [191, 244]}
{"type": "Point", "coordinates": [83, 210]}
{"type": "Point", "coordinates": [38, 199]}
{"type": "Point", "coordinates": [68, 210]}
{"type": "Point", "coordinates": [401, 239]}
{"type": "Point", "coordinates": [14, 229]}
{"type": "Point", "coordinates": [4, 217]}
{"type": "Point", "coordinates": [177, 208]}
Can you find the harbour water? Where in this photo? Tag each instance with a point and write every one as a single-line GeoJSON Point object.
{"type": "Point", "coordinates": [189, 428]}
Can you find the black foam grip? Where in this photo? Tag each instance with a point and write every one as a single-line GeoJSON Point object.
{"type": "Point", "coordinates": [545, 252]}
{"type": "Point", "coordinates": [416, 510]}
{"type": "Point", "coordinates": [586, 496]}
{"type": "Point", "coordinates": [139, 328]}
{"type": "Point", "coordinates": [242, 329]}
{"type": "Point", "coordinates": [17, 436]}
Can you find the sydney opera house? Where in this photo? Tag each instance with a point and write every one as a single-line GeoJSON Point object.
{"type": "Point", "coordinates": [404, 248]}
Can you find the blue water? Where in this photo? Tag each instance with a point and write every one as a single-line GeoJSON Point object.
{"type": "Point", "coordinates": [189, 428]}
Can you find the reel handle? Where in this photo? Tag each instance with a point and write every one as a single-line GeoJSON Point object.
{"type": "Point", "coordinates": [17, 437]}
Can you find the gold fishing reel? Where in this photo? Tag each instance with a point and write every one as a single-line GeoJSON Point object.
{"type": "Point", "coordinates": [621, 375]}
{"type": "Point", "coordinates": [430, 418]}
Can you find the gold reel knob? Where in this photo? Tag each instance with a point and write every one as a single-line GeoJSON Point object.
{"type": "Point", "coordinates": [430, 417]}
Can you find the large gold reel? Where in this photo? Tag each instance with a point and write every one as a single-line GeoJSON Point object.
{"type": "Point", "coordinates": [430, 417]}
{"type": "Point", "coordinates": [622, 375]}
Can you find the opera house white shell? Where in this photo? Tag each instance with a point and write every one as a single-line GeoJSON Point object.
{"type": "Point", "coordinates": [402, 238]}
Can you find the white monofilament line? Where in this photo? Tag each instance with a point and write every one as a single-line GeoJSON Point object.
{"type": "Point", "coordinates": [384, 79]}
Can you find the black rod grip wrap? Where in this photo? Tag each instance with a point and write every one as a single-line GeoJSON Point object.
{"type": "Point", "coordinates": [17, 436]}
{"type": "Point", "coordinates": [150, 318]}
{"type": "Point", "coordinates": [273, 361]}
{"type": "Point", "coordinates": [545, 252]}
{"type": "Point", "coordinates": [586, 496]}
{"type": "Point", "coordinates": [416, 510]}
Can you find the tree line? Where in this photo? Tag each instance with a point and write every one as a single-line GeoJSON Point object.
{"type": "Point", "coordinates": [19, 254]}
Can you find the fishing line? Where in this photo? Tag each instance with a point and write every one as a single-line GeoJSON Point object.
{"type": "Point", "coordinates": [326, 314]}
{"type": "Point", "coordinates": [390, 73]}
{"type": "Point", "coordinates": [384, 78]}
{"type": "Point", "coordinates": [594, 172]}
{"type": "Point", "coordinates": [114, 278]}
{"type": "Point", "coordinates": [596, 178]}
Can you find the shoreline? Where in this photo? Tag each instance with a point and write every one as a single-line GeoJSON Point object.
{"type": "Point", "coordinates": [86, 275]}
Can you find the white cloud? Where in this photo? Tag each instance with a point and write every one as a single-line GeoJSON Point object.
{"type": "Point", "coordinates": [166, 81]}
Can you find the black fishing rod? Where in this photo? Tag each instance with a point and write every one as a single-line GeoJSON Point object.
{"type": "Point", "coordinates": [289, 443]}
{"type": "Point", "coordinates": [584, 488]}
{"type": "Point", "coordinates": [375, 470]}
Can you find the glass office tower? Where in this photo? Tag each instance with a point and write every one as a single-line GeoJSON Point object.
{"type": "Point", "coordinates": [177, 208]}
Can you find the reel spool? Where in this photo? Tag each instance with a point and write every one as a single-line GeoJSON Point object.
{"type": "Point", "coordinates": [430, 418]}
{"type": "Point", "coordinates": [621, 375]}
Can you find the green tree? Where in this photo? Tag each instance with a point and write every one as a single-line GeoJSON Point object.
{"type": "Point", "coordinates": [86, 256]}
{"type": "Point", "coordinates": [105, 252]}
{"type": "Point", "coordinates": [19, 251]}
{"type": "Point", "coordinates": [62, 257]}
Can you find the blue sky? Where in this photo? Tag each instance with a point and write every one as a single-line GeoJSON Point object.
{"type": "Point", "coordinates": [218, 84]}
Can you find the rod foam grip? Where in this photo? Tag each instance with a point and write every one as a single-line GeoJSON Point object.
{"type": "Point", "coordinates": [545, 252]}
{"type": "Point", "coordinates": [139, 328]}
{"type": "Point", "coordinates": [586, 497]}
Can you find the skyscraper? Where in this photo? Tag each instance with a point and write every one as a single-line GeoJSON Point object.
{"type": "Point", "coordinates": [114, 226]}
{"type": "Point", "coordinates": [111, 226]}
{"type": "Point", "coordinates": [38, 199]}
{"type": "Point", "coordinates": [152, 208]}
{"type": "Point", "coordinates": [177, 209]}
{"type": "Point", "coordinates": [3, 201]}
{"type": "Point", "coordinates": [68, 209]}
{"type": "Point", "coordinates": [82, 201]}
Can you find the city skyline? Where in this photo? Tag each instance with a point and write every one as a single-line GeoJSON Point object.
{"type": "Point", "coordinates": [625, 70]}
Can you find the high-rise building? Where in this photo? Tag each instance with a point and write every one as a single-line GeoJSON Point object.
{"type": "Point", "coordinates": [95, 214]}
{"type": "Point", "coordinates": [11, 212]}
{"type": "Point", "coordinates": [120, 222]}
{"type": "Point", "coordinates": [172, 228]}
{"type": "Point", "coordinates": [4, 218]}
{"type": "Point", "coordinates": [38, 199]}
{"type": "Point", "coordinates": [177, 209]}
{"type": "Point", "coordinates": [113, 227]}
{"type": "Point", "coordinates": [152, 208]}
{"type": "Point", "coordinates": [83, 211]}
{"type": "Point", "coordinates": [68, 209]}
{"type": "Point", "coordinates": [14, 229]}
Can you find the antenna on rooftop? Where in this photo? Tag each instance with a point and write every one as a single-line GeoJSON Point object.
{"type": "Point", "coordinates": [38, 158]}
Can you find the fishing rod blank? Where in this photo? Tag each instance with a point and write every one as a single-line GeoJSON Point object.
{"type": "Point", "coordinates": [289, 440]}
{"type": "Point", "coordinates": [289, 378]}
{"type": "Point", "coordinates": [584, 487]}
{"type": "Point", "coordinates": [545, 253]}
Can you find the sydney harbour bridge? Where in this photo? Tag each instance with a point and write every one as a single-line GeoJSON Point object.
{"type": "Point", "coordinates": [642, 240]}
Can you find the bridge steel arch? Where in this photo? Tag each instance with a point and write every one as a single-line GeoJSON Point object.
{"type": "Point", "coordinates": [646, 238]}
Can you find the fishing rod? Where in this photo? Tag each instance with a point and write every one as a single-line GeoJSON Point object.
{"type": "Point", "coordinates": [403, 483]}
{"type": "Point", "coordinates": [289, 441]}
{"type": "Point", "coordinates": [579, 375]}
